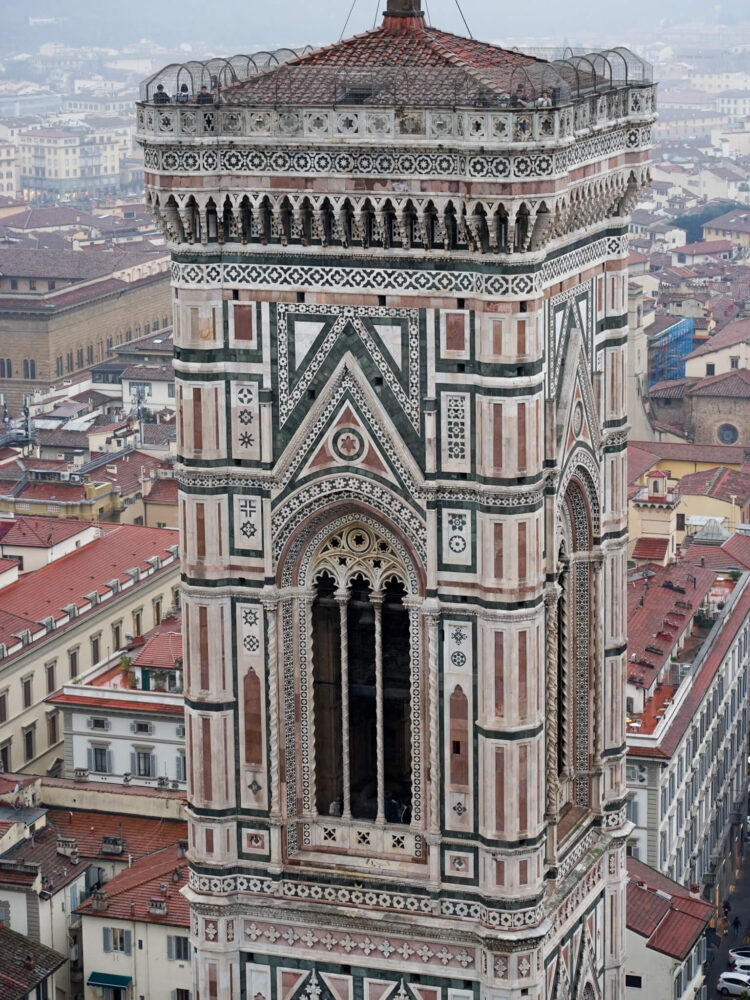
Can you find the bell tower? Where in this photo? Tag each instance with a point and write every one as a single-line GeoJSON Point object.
{"type": "Point", "coordinates": [400, 305]}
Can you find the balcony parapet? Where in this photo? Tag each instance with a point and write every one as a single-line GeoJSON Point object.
{"type": "Point", "coordinates": [467, 128]}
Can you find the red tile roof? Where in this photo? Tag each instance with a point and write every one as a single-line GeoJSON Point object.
{"type": "Point", "coordinates": [39, 532]}
{"type": "Point", "coordinates": [150, 373]}
{"type": "Point", "coordinates": [738, 549]}
{"type": "Point", "coordinates": [57, 869]}
{"type": "Point", "coordinates": [711, 556]}
{"type": "Point", "coordinates": [163, 491]}
{"type": "Point", "coordinates": [66, 581]}
{"type": "Point", "coordinates": [663, 911]}
{"type": "Point", "coordinates": [670, 739]}
{"type": "Point", "coordinates": [651, 548]}
{"type": "Point", "coordinates": [142, 835]}
{"type": "Point", "coordinates": [130, 891]}
{"type": "Point", "coordinates": [445, 65]}
{"type": "Point", "coordinates": [640, 460]}
{"type": "Point", "coordinates": [720, 483]}
{"type": "Point", "coordinates": [19, 978]}
{"type": "Point", "coordinates": [64, 492]}
{"type": "Point", "coordinates": [110, 704]}
{"type": "Point", "coordinates": [163, 651]}
{"type": "Point", "coordinates": [705, 247]}
{"type": "Point", "coordinates": [672, 389]}
{"type": "Point", "coordinates": [737, 332]}
{"type": "Point", "coordinates": [129, 469]}
{"type": "Point", "coordinates": [678, 451]}
{"type": "Point", "coordinates": [733, 384]}
{"type": "Point", "coordinates": [656, 625]}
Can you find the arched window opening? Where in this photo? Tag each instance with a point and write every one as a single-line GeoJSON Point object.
{"type": "Point", "coordinates": [410, 226]}
{"type": "Point", "coordinates": [361, 684]}
{"type": "Point", "coordinates": [227, 217]}
{"type": "Point", "coordinates": [286, 215]}
{"type": "Point", "coordinates": [212, 222]}
{"type": "Point", "coordinates": [522, 229]}
{"type": "Point", "coordinates": [246, 220]}
{"type": "Point", "coordinates": [451, 228]}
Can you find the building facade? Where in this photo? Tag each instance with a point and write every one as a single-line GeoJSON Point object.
{"type": "Point", "coordinates": [62, 619]}
{"type": "Point", "coordinates": [62, 313]}
{"type": "Point", "coordinates": [400, 325]}
{"type": "Point", "coordinates": [687, 745]}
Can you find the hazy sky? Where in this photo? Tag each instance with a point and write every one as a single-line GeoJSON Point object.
{"type": "Point", "coordinates": [245, 24]}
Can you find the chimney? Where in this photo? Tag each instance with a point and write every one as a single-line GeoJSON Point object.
{"type": "Point", "coordinates": [99, 900]}
{"type": "Point", "coordinates": [402, 14]}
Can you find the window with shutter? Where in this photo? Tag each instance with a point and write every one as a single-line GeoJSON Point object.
{"type": "Point", "coordinates": [128, 948]}
{"type": "Point", "coordinates": [107, 935]}
{"type": "Point", "coordinates": [152, 765]}
{"type": "Point", "coordinates": [109, 762]}
{"type": "Point", "coordinates": [170, 947]}
{"type": "Point", "coordinates": [90, 759]}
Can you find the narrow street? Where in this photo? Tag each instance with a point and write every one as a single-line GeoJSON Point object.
{"type": "Point", "coordinates": [717, 960]}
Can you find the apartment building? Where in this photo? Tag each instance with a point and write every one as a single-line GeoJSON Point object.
{"type": "Point", "coordinates": [687, 738]}
{"type": "Point", "coordinates": [60, 620]}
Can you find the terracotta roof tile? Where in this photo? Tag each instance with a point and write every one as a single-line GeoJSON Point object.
{"type": "Point", "coordinates": [737, 332]}
{"type": "Point", "coordinates": [116, 704]}
{"type": "Point", "coordinates": [130, 891]}
{"type": "Point", "coordinates": [57, 869]}
{"type": "Point", "coordinates": [163, 651]}
{"type": "Point", "coordinates": [678, 451]}
{"type": "Point", "coordinates": [19, 978]}
{"type": "Point", "coordinates": [90, 568]}
{"type": "Point", "coordinates": [706, 672]}
{"type": "Point", "coordinates": [163, 491]}
{"type": "Point", "coordinates": [656, 625]}
{"type": "Point", "coordinates": [651, 548]}
{"type": "Point", "coordinates": [414, 64]}
{"type": "Point", "coordinates": [720, 483]}
{"type": "Point", "coordinates": [640, 460]}
{"type": "Point", "coordinates": [142, 835]}
{"type": "Point", "coordinates": [733, 384]}
{"type": "Point", "coordinates": [39, 532]}
{"type": "Point", "coordinates": [705, 246]}
{"type": "Point", "coordinates": [671, 389]}
{"type": "Point", "coordinates": [663, 911]}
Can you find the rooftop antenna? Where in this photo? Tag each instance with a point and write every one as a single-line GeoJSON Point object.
{"type": "Point", "coordinates": [464, 19]}
{"type": "Point", "coordinates": [346, 22]}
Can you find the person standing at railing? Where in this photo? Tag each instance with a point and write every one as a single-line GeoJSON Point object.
{"type": "Point", "coordinates": [205, 96]}
{"type": "Point", "coordinates": [161, 96]}
{"type": "Point", "coordinates": [183, 95]}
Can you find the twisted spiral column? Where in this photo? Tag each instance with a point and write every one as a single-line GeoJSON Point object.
{"type": "Point", "coordinates": [431, 617]}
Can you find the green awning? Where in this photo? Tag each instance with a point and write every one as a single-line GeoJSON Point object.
{"type": "Point", "coordinates": [107, 979]}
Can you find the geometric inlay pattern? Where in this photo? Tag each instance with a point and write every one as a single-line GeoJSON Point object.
{"type": "Point", "coordinates": [245, 274]}
{"type": "Point", "coordinates": [336, 321]}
